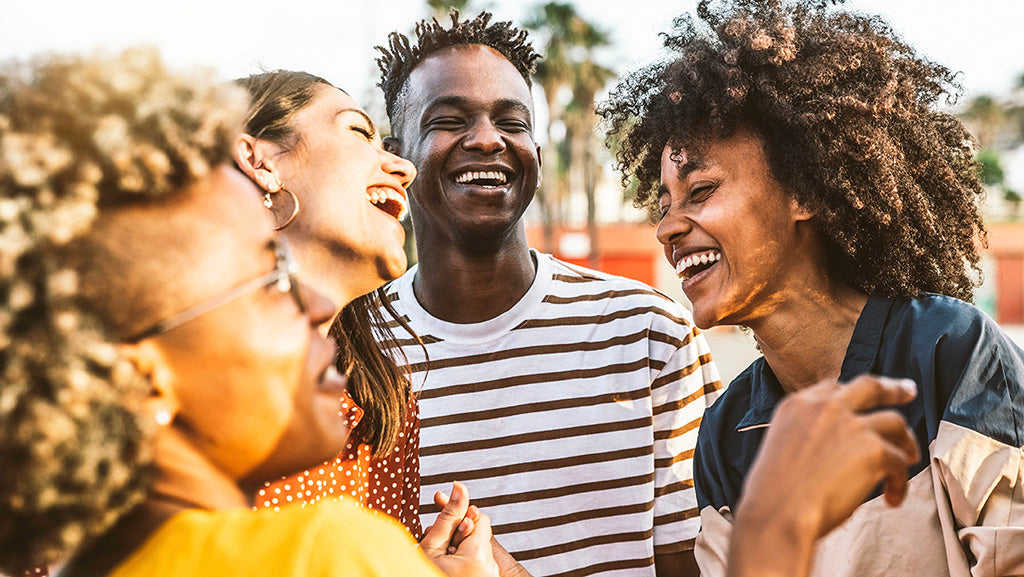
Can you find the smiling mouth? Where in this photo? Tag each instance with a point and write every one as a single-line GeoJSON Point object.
{"type": "Point", "coordinates": [388, 200]}
{"type": "Point", "coordinates": [696, 263]}
{"type": "Point", "coordinates": [487, 179]}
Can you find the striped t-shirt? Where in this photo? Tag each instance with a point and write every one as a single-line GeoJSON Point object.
{"type": "Point", "coordinates": [571, 418]}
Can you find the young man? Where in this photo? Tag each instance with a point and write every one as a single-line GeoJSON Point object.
{"type": "Point", "coordinates": [568, 400]}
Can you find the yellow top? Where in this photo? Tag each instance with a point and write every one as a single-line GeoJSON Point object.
{"type": "Point", "coordinates": [322, 540]}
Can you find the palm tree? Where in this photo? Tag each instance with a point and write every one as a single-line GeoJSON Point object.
{"type": "Point", "coordinates": [552, 21]}
{"type": "Point", "coordinates": [986, 117]}
{"type": "Point", "coordinates": [569, 43]}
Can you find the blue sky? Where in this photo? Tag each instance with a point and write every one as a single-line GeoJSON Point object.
{"type": "Point", "coordinates": [334, 38]}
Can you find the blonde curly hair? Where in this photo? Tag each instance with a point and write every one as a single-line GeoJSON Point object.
{"type": "Point", "coordinates": [79, 138]}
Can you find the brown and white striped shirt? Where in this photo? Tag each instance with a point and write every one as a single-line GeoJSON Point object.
{"type": "Point", "coordinates": [571, 418]}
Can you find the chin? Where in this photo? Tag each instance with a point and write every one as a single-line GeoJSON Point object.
{"type": "Point", "coordinates": [705, 317]}
{"type": "Point", "coordinates": [391, 267]}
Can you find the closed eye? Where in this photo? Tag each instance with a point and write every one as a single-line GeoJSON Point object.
{"type": "Point", "coordinates": [701, 193]}
{"type": "Point", "coordinates": [368, 133]}
{"type": "Point", "coordinates": [446, 123]}
{"type": "Point", "coordinates": [514, 125]}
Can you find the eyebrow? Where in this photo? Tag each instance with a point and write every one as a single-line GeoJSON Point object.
{"type": "Point", "coordinates": [691, 165]}
{"type": "Point", "coordinates": [373, 127]}
{"type": "Point", "coordinates": [463, 102]}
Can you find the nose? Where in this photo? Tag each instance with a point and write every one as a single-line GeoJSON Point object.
{"type": "Point", "coordinates": [484, 137]}
{"type": "Point", "coordinates": [398, 167]}
{"type": "Point", "coordinates": [319, 307]}
{"type": "Point", "coordinates": [672, 227]}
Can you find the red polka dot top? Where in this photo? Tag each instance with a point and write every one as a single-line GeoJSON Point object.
{"type": "Point", "coordinates": [388, 485]}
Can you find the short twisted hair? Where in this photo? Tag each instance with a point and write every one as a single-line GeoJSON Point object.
{"type": "Point", "coordinates": [80, 137]}
{"type": "Point", "coordinates": [847, 113]}
{"type": "Point", "coordinates": [398, 60]}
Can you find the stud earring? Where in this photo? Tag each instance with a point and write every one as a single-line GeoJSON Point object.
{"type": "Point", "coordinates": [162, 417]}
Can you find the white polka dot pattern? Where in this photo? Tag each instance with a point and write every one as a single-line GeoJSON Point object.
{"type": "Point", "coordinates": [388, 485]}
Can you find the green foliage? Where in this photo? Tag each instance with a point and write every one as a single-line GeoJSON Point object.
{"type": "Point", "coordinates": [991, 169]}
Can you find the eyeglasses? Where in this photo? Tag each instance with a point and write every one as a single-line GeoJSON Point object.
{"type": "Point", "coordinates": [283, 276]}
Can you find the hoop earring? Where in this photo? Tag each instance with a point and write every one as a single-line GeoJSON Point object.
{"type": "Point", "coordinates": [269, 203]}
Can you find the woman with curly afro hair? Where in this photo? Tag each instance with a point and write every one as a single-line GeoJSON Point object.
{"type": "Point", "coordinates": [811, 188]}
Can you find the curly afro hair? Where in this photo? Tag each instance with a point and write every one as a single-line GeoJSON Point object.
{"type": "Point", "coordinates": [80, 137]}
{"type": "Point", "coordinates": [398, 60]}
{"type": "Point", "coordinates": [849, 119]}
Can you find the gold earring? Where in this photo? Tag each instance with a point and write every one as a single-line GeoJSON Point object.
{"type": "Point", "coordinates": [295, 209]}
{"type": "Point", "coordinates": [271, 188]}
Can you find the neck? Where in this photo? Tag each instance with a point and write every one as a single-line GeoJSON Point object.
{"type": "Point", "coordinates": [184, 480]}
{"type": "Point", "coordinates": [805, 339]}
{"type": "Point", "coordinates": [463, 286]}
{"type": "Point", "coordinates": [186, 477]}
{"type": "Point", "coordinates": [333, 272]}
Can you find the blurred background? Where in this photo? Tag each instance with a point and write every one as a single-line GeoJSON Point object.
{"type": "Point", "coordinates": [582, 213]}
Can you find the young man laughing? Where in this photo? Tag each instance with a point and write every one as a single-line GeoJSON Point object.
{"type": "Point", "coordinates": [567, 399]}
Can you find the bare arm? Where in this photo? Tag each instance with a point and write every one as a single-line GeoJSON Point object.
{"type": "Point", "coordinates": [681, 564]}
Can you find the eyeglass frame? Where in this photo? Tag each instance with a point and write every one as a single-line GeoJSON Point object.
{"type": "Point", "coordinates": [283, 275]}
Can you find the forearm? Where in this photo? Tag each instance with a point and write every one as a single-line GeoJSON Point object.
{"type": "Point", "coordinates": [680, 564]}
{"type": "Point", "coordinates": [763, 545]}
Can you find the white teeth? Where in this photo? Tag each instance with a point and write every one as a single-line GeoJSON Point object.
{"type": "Point", "coordinates": [499, 177]}
{"type": "Point", "coordinates": [684, 264]}
{"type": "Point", "coordinates": [382, 195]}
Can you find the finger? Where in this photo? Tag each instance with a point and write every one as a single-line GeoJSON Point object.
{"type": "Point", "coordinates": [448, 520]}
{"type": "Point", "coordinates": [893, 428]}
{"type": "Point", "coordinates": [440, 499]}
{"type": "Point", "coordinates": [480, 537]}
{"type": "Point", "coordinates": [895, 476]}
{"type": "Point", "coordinates": [867, 392]}
{"type": "Point", "coordinates": [465, 529]}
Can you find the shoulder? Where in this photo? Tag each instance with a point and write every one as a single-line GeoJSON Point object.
{"type": "Point", "coordinates": [963, 360]}
{"type": "Point", "coordinates": [931, 316]}
{"type": "Point", "coordinates": [341, 538]}
{"type": "Point", "coordinates": [581, 284]}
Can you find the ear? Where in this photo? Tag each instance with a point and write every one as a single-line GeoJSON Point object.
{"type": "Point", "coordinates": [149, 360]}
{"type": "Point", "coordinates": [799, 212]}
{"type": "Point", "coordinates": [254, 157]}
{"type": "Point", "coordinates": [540, 167]}
{"type": "Point", "coordinates": [393, 145]}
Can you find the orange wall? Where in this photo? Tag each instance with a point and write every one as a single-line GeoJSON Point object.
{"type": "Point", "coordinates": [1006, 246]}
{"type": "Point", "coordinates": [626, 249]}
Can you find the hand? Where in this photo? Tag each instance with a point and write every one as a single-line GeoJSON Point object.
{"type": "Point", "coordinates": [823, 454]}
{"type": "Point", "coordinates": [455, 512]}
{"type": "Point", "coordinates": [459, 540]}
{"type": "Point", "coordinates": [507, 564]}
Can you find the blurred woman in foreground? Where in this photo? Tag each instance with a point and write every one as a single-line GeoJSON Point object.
{"type": "Point", "coordinates": [159, 359]}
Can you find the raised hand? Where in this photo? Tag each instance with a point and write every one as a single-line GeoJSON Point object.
{"type": "Point", "coordinates": [826, 449]}
{"type": "Point", "coordinates": [459, 541]}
